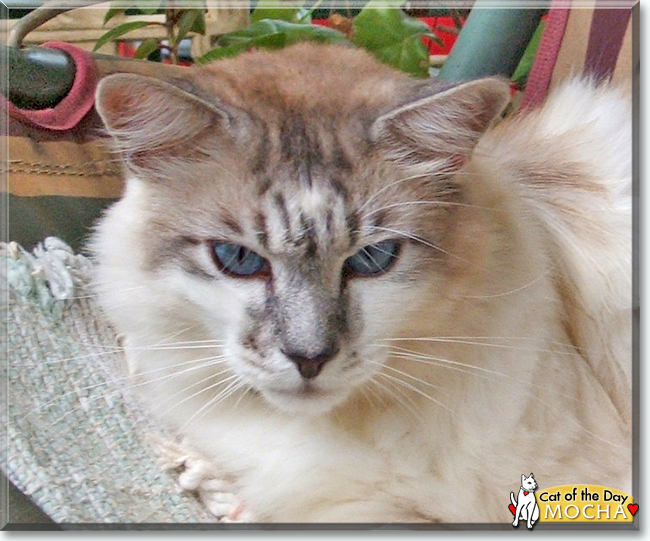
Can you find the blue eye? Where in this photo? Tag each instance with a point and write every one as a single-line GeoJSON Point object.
{"type": "Point", "coordinates": [373, 259]}
{"type": "Point", "coordinates": [238, 260]}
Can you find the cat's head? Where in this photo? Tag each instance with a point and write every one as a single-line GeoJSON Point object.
{"type": "Point", "coordinates": [302, 204]}
{"type": "Point", "coordinates": [528, 483]}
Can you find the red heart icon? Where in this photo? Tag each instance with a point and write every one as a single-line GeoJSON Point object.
{"type": "Point", "coordinates": [632, 508]}
{"type": "Point", "coordinates": [513, 509]}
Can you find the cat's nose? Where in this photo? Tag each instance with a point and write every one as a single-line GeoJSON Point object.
{"type": "Point", "coordinates": [310, 365]}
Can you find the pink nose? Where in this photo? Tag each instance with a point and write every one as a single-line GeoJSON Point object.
{"type": "Point", "coordinates": [310, 366]}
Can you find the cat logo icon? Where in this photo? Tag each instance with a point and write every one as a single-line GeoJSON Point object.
{"type": "Point", "coordinates": [525, 506]}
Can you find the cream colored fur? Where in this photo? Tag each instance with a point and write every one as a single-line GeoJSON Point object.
{"type": "Point", "coordinates": [519, 361]}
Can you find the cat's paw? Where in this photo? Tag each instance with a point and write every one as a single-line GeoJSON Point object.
{"type": "Point", "coordinates": [215, 493]}
{"type": "Point", "coordinates": [200, 476]}
{"type": "Point", "coordinates": [240, 514]}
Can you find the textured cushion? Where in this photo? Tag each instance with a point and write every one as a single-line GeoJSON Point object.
{"type": "Point", "coordinates": [76, 442]}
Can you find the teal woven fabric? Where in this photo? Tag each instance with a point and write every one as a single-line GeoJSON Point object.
{"type": "Point", "coordinates": [75, 441]}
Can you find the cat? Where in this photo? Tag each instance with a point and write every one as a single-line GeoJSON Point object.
{"type": "Point", "coordinates": [525, 505]}
{"type": "Point", "coordinates": [361, 297]}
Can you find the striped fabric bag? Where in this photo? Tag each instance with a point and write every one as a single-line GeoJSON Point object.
{"type": "Point", "coordinates": [594, 40]}
{"type": "Point", "coordinates": [60, 172]}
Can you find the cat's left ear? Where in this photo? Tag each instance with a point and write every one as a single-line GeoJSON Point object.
{"type": "Point", "coordinates": [155, 123]}
{"type": "Point", "coordinates": [442, 129]}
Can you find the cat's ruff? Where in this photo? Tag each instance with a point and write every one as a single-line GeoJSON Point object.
{"type": "Point", "coordinates": [499, 337]}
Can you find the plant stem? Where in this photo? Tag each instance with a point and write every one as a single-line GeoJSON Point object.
{"type": "Point", "coordinates": [170, 22]}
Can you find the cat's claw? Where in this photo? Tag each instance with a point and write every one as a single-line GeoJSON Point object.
{"type": "Point", "coordinates": [214, 492]}
{"type": "Point", "coordinates": [200, 476]}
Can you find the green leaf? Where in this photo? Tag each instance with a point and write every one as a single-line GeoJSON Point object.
{"type": "Point", "coordinates": [293, 33]}
{"type": "Point", "coordinates": [111, 13]}
{"type": "Point", "coordinates": [263, 10]}
{"type": "Point", "coordinates": [410, 56]}
{"type": "Point", "coordinates": [199, 23]}
{"type": "Point", "coordinates": [147, 47]}
{"type": "Point", "coordinates": [118, 31]}
{"type": "Point", "coordinates": [526, 63]}
{"type": "Point", "coordinates": [304, 16]}
{"type": "Point", "coordinates": [222, 52]}
{"type": "Point", "coordinates": [376, 28]}
{"type": "Point", "coordinates": [185, 23]}
{"type": "Point", "coordinates": [267, 34]}
{"type": "Point", "coordinates": [394, 38]}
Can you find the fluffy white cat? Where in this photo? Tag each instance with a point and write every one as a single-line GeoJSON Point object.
{"type": "Point", "coordinates": [358, 298]}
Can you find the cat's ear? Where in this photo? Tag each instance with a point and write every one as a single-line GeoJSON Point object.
{"type": "Point", "coordinates": [154, 122]}
{"type": "Point", "coordinates": [442, 129]}
{"type": "Point", "coordinates": [523, 479]}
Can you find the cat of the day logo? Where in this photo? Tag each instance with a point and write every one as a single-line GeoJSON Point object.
{"type": "Point", "coordinates": [525, 507]}
{"type": "Point", "coordinates": [570, 503]}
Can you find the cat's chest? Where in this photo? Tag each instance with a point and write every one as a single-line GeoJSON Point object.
{"type": "Point", "coordinates": [259, 438]}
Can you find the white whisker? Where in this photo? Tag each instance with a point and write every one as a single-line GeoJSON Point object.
{"type": "Point", "coordinates": [197, 393]}
{"type": "Point", "coordinates": [440, 203]}
{"type": "Point", "coordinates": [401, 372]}
{"type": "Point", "coordinates": [396, 393]}
{"type": "Point", "coordinates": [416, 239]}
{"type": "Point", "coordinates": [95, 295]}
{"type": "Point", "coordinates": [231, 388]}
{"type": "Point", "coordinates": [389, 186]}
{"type": "Point", "coordinates": [416, 390]}
{"type": "Point", "coordinates": [476, 343]}
{"type": "Point", "coordinates": [206, 362]}
{"type": "Point", "coordinates": [512, 291]}
{"type": "Point", "coordinates": [416, 356]}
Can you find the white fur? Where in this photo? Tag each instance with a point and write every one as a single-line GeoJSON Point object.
{"type": "Point", "coordinates": [518, 397]}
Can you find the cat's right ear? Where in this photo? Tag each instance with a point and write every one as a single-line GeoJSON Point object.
{"type": "Point", "coordinates": [440, 131]}
{"type": "Point", "coordinates": [155, 123]}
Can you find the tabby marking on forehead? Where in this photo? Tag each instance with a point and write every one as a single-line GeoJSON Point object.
{"type": "Point", "coordinates": [304, 146]}
{"type": "Point", "coordinates": [263, 150]}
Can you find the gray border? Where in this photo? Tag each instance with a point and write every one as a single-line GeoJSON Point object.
{"type": "Point", "coordinates": [5, 512]}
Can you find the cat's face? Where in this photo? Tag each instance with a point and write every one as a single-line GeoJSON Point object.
{"type": "Point", "coordinates": [528, 483]}
{"type": "Point", "coordinates": [303, 241]}
{"type": "Point", "coordinates": [304, 277]}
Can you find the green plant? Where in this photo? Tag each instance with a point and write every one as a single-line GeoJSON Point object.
{"type": "Point", "coordinates": [388, 33]}
{"type": "Point", "coordinates": [179, 22]}
{"type": "Point", "coordinates": [520, 76]}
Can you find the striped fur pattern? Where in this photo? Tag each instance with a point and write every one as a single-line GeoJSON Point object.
{"type": "Point", "coordinates": [498, 339]}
